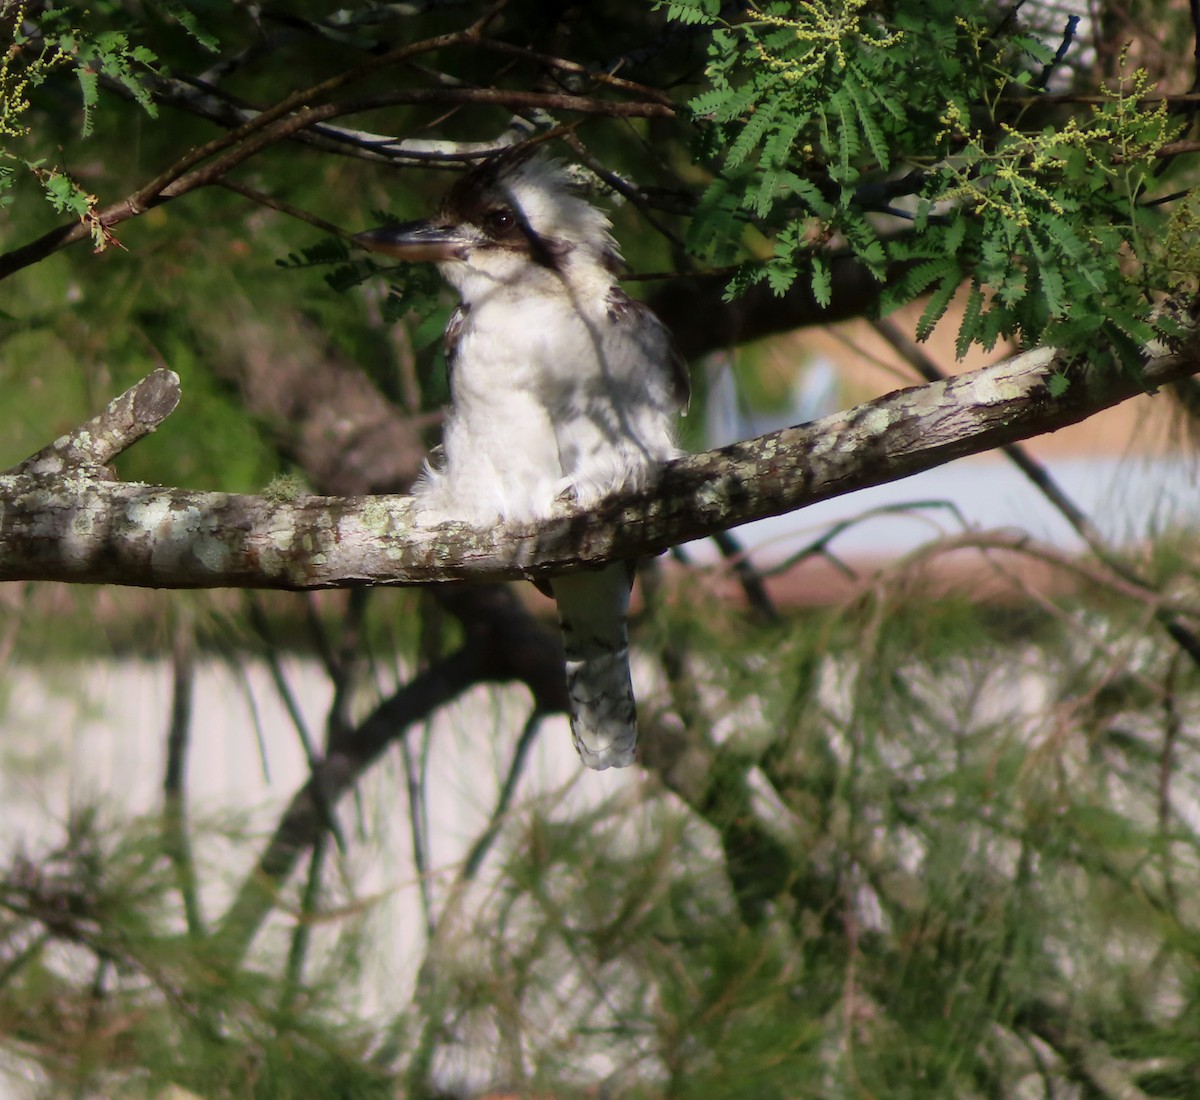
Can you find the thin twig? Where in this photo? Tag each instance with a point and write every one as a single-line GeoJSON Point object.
{"type": "Point", "coordinates": [1178, 99]}
{"type": "Point", "coordinates": [251, 139]}
{"type": "Point", "coordinates": [262, 627]}
{"type": "Point", "coordinates": [672, 655]}
{"type": "Point", "coordinates": [237, 670]}
{"type": "Point", "coordinates": [298, 100]}
{"type": "Point", "coordinates": [267, 128]}
{"type": "Point", "coordinates": [418, 831]}
{"type": "Point", "coordinates": [747, 574]}
{"type": "Point", "coordinates": [516, 768]}
{"type": "Point", "coordinates": [1043, 78]}
{"type": "Point", "coordinates": [203, 101]}
{"type": "Point", "coordinates": [346, 662]}
{"type": "Point", "coordinates": [175, 835]}
{"type": "Point", "coordinates": [635, 195]}
{"type": "Point", "coordinates": [302, 932]}
{"type": "Point", "coordinates": [597, 76]}
{"type": "Point", "coordinates": [434, 1027]}
{"type": "Point", "coordinates": [304, 821]}
{"type": "Point", "coordinates": [820, 545]}
{"type": "Point", "coordinates": [1194, 12]}
{"type": "Point", "coordinates": [326, 654]}
{"type": "Point", "coordinates": [509, 98]}
{"type": "Point", "coordinates": [27, 954]}
{"type": "Point", "coordinates": [1020, 543]}
{"type": "Point", "coordinates": [284, 207]}
{"type": "Point", "coordinates": [1172, 728]}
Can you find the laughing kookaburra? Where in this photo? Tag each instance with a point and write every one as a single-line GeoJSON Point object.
{"type": "Point", "coordinates": [562, 387]}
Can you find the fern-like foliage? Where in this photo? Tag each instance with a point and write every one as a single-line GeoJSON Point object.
{"type": "Point", "coordinates": [414, 290]}
{"type": "Point", "coordinates": [38, 44]}
{"type": "Point", "coordinates": [895, 132]}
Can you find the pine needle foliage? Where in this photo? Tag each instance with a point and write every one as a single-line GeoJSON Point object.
{"type": "Point", "coordinates": [907, 135]}
{"type": "Point", "coordinates": [970, 880]}
{"type": "Point", "coordinates": [103, 995]}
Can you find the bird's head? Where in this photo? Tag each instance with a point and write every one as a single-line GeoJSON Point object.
{"type": "Point", "coordinates": [515, 216]}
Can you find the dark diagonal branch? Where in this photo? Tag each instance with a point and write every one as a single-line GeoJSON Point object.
{"type": "Point", "coordinates": [267, 129]}
{"type": "Point", "coordinates": [499, 646]}
{"type": "Point", "coordinates": [304, 821]}
{"type": "Point", "coordinates": [209, 162]}
{"type": "Point", "coordinates": [695, 309]}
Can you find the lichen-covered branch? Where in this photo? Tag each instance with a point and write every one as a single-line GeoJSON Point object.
{"type": "Point", "coordinates": [79, 528]}
{"type": "Point", "coordinates": [128, 418]}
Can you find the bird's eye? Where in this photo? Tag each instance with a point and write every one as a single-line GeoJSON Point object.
{"type": "Point", "coordinates": [499, 221]}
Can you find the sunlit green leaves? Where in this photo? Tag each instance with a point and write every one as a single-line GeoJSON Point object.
{"type": "Point", "coordinates": [811, 111]}
{"type": "Point", "coordinates": [51, 39]}
{"type": "Point", "coordinates": [111, 54]}
{"type": "Point", "coordinates": [692, 11]}
{"type": "Point", "coordinates": [65, 195]}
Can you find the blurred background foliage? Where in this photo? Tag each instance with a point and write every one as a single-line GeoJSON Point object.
{"type": "Point", "coordinates": [909, 842]}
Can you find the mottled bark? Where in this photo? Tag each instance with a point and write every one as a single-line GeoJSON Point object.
{"type": "Point", "coordinates": [128, 418]}
{"type": "Point", "coordinates": [76, 527]}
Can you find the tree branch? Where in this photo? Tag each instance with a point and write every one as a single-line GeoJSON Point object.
{"type": "Point", "coordinates": [290, 114]}
{"type": "Point", "coordinates": [128, 418]}
{"type": "Point", "coordinates": [1040, 477]}
{"type": "Point", "coordinates": [257, 135]}
{"type": "Point", "coordinates": [103, 532]}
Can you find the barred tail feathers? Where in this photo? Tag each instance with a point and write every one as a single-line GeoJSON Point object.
{"type": "Point", "coordinates": [592, 607]}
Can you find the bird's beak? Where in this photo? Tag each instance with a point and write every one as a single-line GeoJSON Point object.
{"type": "Point", "coordinates": [417, 241]}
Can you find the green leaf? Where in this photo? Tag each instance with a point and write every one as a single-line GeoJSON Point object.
{"type": "Point", "coordinates": [723, 104]}
{"type": "Point", "coordinates": [969, 327]}
{"type": "Point", "coordinates": [812, 198]}
{"type": "Point", "coordinates": [870, 129]}
{"type": "Point", "coordinates": [1058, 384]}
{"type": "Point", "coordinates": [344, 276]}
{"type": "Point", "coordinates": [182, 15]}
{"type": "Point", "coordinates": [822, 281]}
{"type": "Point", "coordinates": [923, 276]}
{"type": "Point", "coordinates": [780, 276]}
{"type": "Point", "coordinates": [992, 325]}
{"type": "Point", "coordinates": [955, 233]}
{"type": "Point", "coordinates": [752, 134]}
{"type": "Point", "coordinates": [1013, 288]}
{"type": "Point", "coordinates": [1050, 279]}
{"type": "Point", "coordinates": [693, 12]}
{"type": "Point", "coordinates": [936, 307]}
{"type": "Point", "coordinates": [89, 94]}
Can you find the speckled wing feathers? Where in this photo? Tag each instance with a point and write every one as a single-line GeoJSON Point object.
{"type": "Point", "coordinates": [592, 606]}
